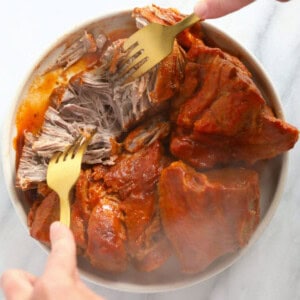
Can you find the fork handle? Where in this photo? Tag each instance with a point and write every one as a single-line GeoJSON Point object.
{"type": "Point", "coordinates": [185, 23]}
{"type": "Point", "coordinates": [64, 204]}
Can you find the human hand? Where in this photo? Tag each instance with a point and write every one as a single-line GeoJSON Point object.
{"type": "Point", "coordinates": [60, 279]}
{"type": "Point", "coordinates": [210, 9]}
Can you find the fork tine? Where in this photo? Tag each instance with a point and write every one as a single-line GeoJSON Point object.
{"type": "Point", "coordinates": [54, 159]}
{"type": "Point", "coordinates": [137, 62]}
{"type": "Point", "coordinates": [130, 42]}
{"type": "Point", "coordinates": [82, 144]}
{"type": "Point", "coordinates": [134, 65]}
{"type": "Point", "coordinates": [130, 48]}
{"type": "Point", "coordinates": [157, 41]}
{"type": "Point", "coordinates": [132, 55]}
{"type": "Point", "coordinates": [71, 151]}
{"type": "Point", "coordinates": [143, 68]}
{"type": "Point", "coordinates": [81, 149]}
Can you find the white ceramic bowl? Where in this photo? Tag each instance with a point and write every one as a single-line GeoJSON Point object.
{"type": "Point", "coordinates": [168, 277]}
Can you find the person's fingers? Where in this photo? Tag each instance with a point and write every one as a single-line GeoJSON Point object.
{"type": "Point", "coordinates": [209, 9]}
{"type": "Point", "coordinates": [17, 284]}
{"type": "Point", "coordinates": [62, 259]}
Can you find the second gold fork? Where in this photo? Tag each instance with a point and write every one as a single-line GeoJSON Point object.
{"type": "Point", "coordinates": [63, 172]}
{"type": "Point", "coordinates": [151, 44]}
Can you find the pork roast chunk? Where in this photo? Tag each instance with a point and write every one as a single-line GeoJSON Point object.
{"type": "Point", "coordinates": [136, 173]}
{"type": "Point", "coordinates": [89, 190]}
{"type": "Point", "coordinates": [134, 177]}
{"type": "Point", "coordinates": [106, 248]}
{"type": "Point", "coordinates": [207, 215]}
{"type": "Point", "coordinates": [41, 215]}
{"type": "Point", "coordinates": [227, 119]}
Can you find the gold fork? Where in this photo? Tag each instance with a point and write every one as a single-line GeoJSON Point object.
{"type": "Point", "coordinates": [63, 172]}
{"type": "Point", "coordinates": [151, 44]}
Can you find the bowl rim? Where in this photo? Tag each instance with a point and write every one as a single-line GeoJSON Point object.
{"type": "Point", "coordinates": [9, 167]}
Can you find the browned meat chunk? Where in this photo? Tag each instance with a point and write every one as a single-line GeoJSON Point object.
{"type": "Point", "coordinates": [88, 192]}
{"type": "Point", "coordinates": [106, 236]}
{"type": "Point", "coordinates": [223, 76]}
{"type": "Point", "coordinates": [136, 173]}
{"type": "Point", "coordinates": [270, 138]}
{"type": "Point", "coordinates": [207, 215]}
{"type": "Point", "coordinates": [97, 222]}
{"type": "Point", "coordinates": [156, 14]}
{"type": "Point", "coordinates": [43, 215]}
{"type": "Point", "coordinates": [135, 178]}
{"type": "Point", "coordinates": [147, 244]}
{"type": "Point", "coordinates": [169, 76]}
{"type": "Point", "coordinates": [228, 119]}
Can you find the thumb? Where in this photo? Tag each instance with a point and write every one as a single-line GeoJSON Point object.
{"type": "Point", "coordinates": [209, 9]}
{"type": "Point", "coordinates": [62, 259]}
{"type": "Point", "coordinates": [17, 284]}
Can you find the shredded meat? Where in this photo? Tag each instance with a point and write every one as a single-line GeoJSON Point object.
{"type": "Point", "coordinates": [157, 128]}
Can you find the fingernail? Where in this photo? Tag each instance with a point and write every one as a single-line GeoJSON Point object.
{"type": "Point", "coordinates": [200, 9]}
